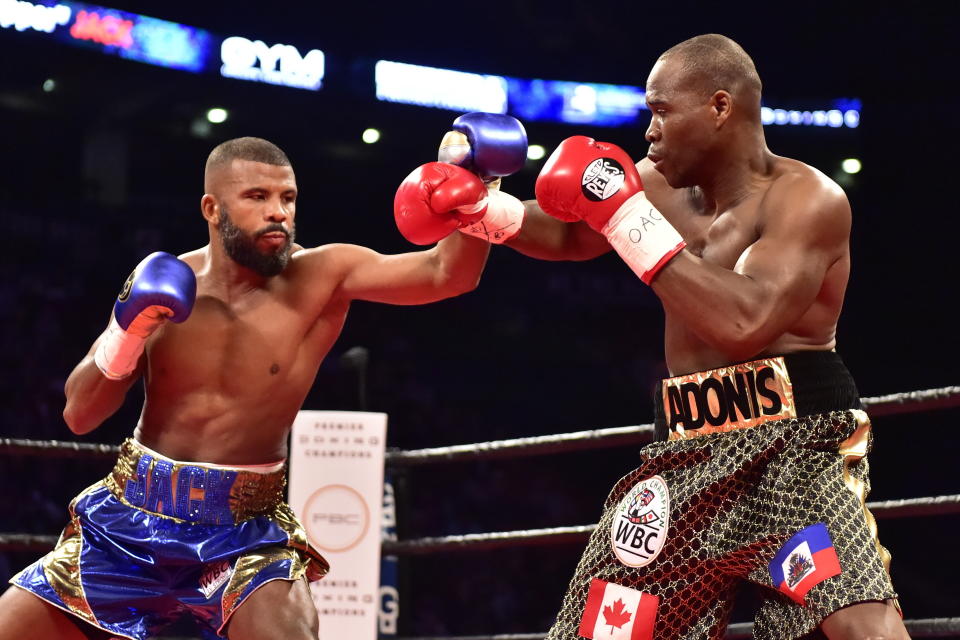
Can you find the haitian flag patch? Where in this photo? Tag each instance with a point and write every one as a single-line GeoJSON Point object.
{"type": "Point", "coordinates": [614, 612]}
{"type": "Point", "coordinates": [806, 560]}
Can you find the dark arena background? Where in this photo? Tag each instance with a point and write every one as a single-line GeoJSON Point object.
{"type": "Point", "coordinates": [102, 162]}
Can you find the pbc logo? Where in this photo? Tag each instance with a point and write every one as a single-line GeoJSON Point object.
{"type": "Point", "coordinates": [336, 518]}
{"type": "Point", "coordinates": [602, 179]}
{"type": "Point", "coordinates": [639, 527]}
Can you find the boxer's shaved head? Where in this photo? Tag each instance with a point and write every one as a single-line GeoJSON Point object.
{"type": "Point", "coordinates": [711, 63]}
{"type": "Point", "coordinates": [248, 148]}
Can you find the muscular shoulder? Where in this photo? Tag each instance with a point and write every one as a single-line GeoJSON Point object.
{"type": "Point", "coordinates": [332, 261]}
{"type": "Point", "coordinates": [802, 197]}
{"type": "Point", "coordinates": [329, 254]}
{"type": "Point", "coordinates": [194, 258]}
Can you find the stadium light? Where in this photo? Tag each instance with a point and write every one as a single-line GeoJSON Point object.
{"type": "Point", "coordinates": [217, 115]}
{"type": "Point", "coordinates": [851, 165]}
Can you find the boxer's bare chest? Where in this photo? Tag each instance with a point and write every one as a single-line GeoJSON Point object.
{"type": "Point", "coordinates": [718, 237]}
{"type": "Point", "coordinates": [234, 375]}
{"type": "Point", "coordinates": [254, 340]}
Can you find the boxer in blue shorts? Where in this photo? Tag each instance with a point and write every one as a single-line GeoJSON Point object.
{"type": "Point", "coordinates": [749, 254]}
{"type": "Point", "coordinates": [228, 339]}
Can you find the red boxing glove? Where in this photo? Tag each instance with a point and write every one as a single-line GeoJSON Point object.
{"type": "Point", "coordinates": [586, 180]}
{"type": "Point", "coordinates": [435, 200]}
{"type": "Point", "coordinates": [598, 183]}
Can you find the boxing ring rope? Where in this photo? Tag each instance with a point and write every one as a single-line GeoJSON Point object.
{"type": "Point", "coordinates": [924, 628]}
{"type": "Point", "coordinates": [57, 449]}
{"type": "Point", "coordinates": [909, 508]}
{"type": "Point", "coordinates": [894, 403]}
{"type": "Point", "coordinates": [891, 404]}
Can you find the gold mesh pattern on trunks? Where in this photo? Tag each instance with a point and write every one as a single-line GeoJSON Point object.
{"type": "Point", "coordinates": [735, 500]}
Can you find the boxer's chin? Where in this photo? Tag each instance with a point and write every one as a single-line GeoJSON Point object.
{"type": "Point", "coordinates": [265, 258]}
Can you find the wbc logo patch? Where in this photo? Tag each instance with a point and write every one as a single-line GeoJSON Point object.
{"type": "Point", "coordinates": [640, 522]}
{"type": "Point", "coordinates": [806, 560]}
{"type": "Point", "coordinates": [614, 612]}
{"type": "Point", "coordinates": [214, 576]}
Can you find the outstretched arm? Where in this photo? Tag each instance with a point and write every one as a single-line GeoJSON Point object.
{"type": "Point", "coordinates": [450, 268]}
{"type": "Point", "coordinates": [547, 238]}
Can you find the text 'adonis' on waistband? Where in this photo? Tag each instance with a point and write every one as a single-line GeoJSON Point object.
{"type": "Point", "coordinates": [734, 397]}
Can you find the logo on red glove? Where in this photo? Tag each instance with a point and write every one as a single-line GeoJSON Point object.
{"type": "Point", "coordinates": [602, 179]}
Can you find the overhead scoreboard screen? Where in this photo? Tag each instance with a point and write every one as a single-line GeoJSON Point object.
{"type": "Point", "coordinates": [178, 46]}
{"type": "Point", "coordinates": [165, 43]}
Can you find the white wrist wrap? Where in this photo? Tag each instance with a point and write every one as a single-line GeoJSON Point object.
{"type": "Point", "coordinates": [502, 220]}
{"type": "Point", "coordinates": [642, 236]}
{"type": "Point", "coordinates": [118, 352]}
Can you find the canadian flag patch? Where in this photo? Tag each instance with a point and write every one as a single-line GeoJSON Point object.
{"type": "Point", "coordinates": [805, 561]}
{"type": "Point", "coordinates": [614, 612]}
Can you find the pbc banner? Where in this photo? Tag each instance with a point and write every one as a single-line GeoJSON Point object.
{"type": "Point", "coordinates": [336, 489]}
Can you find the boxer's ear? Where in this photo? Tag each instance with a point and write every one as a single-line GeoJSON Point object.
{"type": "Point", "coordinates": [721, 106]}
{"type": "Point", "coordinates": [210, 208]}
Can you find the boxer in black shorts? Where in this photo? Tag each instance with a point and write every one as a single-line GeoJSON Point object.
{"type": "Point", "coordinates": [749, 254]}
{"type": "Point", "coordinates": [762, 478]}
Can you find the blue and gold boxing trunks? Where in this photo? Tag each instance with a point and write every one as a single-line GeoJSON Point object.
{"type": "Point", "coordinates": [159, 538]}
{"type": "Point", "coordinates": [760, 475]}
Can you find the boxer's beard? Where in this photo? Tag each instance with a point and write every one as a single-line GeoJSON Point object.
{"type": "Point", "coordinates": [242, 248]}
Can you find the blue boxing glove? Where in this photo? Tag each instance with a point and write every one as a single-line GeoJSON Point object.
{"type": "Point", "coordinates": [490, 145]}
{"type": "Point", "coordinates": [161, 288]}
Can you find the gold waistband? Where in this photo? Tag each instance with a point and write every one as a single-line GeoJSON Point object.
{"type": "Point", "coordinates": [729, 398]}
{"type": "Point", "coordinates": [193, 491]}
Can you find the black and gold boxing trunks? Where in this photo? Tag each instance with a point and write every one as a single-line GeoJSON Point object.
{"type": "Point", "coordinates": [760, 474]}
{"type": "Point", "coordinates": [159, 537]}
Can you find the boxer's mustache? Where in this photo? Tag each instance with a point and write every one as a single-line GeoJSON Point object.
{"type": "Point", "coordinates": [276, 227]}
